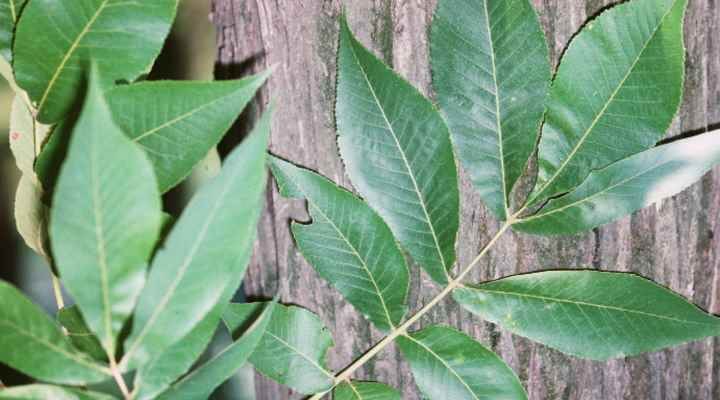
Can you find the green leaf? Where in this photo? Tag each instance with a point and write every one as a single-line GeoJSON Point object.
{"type": "Point", "coordinates": [31, 214]}
{"type": "Point", "coordinates": [55, 41]}
{"type": "Point", "coordinates": [79, 334]}
{"type": "Point", "coordinates": [177, 123]}
{"type": "Point", "coordinates": [200, 383]}
{"type": "Point", "coordinates": [208, 248]}
{"type": "Point", "coordinates": [49, 392]}
{"type": "Point", "coordinates": [491, 72]}
{"type": "Point", "coordinates": [33, 344]}
{"type": "Point", "coordinates": [349, 245]}
{"type": "Point", "coordinates": [448, 364]}
{"type": "Point", "coordinates": [292, 351]}
{"type": "Point", "coordinates": [615, 93]}
{"type": "Point", "coordinates": [398, 154]}
{"type": "Point", "coordinates": [365, 391]}
{"type": "Point", "coordinates": [105, 182]}
{"type": "Point", "coordinates": [9, 14]}
{"type": "Point", "coordinates": [154, 377]}
{"type": "Point", "coordinates": [590, 314]}
{"type": "Point", "coordinates": [626, 186]}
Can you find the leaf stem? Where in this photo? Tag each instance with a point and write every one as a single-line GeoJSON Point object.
{"type": "Point", "coordinates": [402, 329]}
{"type": "Point", "coordinates": [57, 291]}
{"type": "Point", "coordinates": [115, 371]}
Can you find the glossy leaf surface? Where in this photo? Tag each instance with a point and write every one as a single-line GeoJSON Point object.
{"type": "Point", "coordinates": [200, 383]}
{"type": "Point", "coordinates": [491, 73]}
{"type": "Point", "coordinates": [49, 392]}
{"type": "Point", "coordinates": [354, 390]}
{"type": "Point", "coordinates": [627, 185]}
{"type": "Point", "coordinates": [9, 15]}
{"type": "Point", "coordinates": [447, 364]}
{"type": "Point", "coordinates": [33, 344]}
{"type": "Point", "coordinates": [208, 247]}
{"type": "Point", "coordinates": [398, 154]}
{"type": "Point", "coordinates": [590, 314]}
{"type": "Point", "coordinates": [105, 183]}
{"type": "Point", "coordinates": [177, 123]}
{"type": "Point", "coordinates": [292, 350]}
{"type": "Point", "coordinates": [349, 245]}
{"type": "Point", "coordinates": [55, 41]}
{"type": "Point", "coordinates": [616, 91]}
{"type": "Point", "coordinates": [79, 334]}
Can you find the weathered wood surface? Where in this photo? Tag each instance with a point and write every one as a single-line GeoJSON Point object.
{"type": "Point", "coordinates": [676, 243]}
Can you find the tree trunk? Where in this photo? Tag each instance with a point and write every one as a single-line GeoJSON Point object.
{"type": "Point", "coordinates": [672, 243]}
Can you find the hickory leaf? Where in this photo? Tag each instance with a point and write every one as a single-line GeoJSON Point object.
{"type": "Point", "coordinates": [79, 334]}
{"type": "Point", "coordinates": [9, 14]}
{"type": "Point", "coordinates": [26, 136]}
{"type": "Point", "coordinates": [349, 245]}
{"type": "Point", "coordinates": [353, 390]}
{"type": "Point", "coordinates": [589, 314]}
{"type": "Point", "coordinates": [627, 185]}
{"type": "Point", "coordinates": [491, 73]}
{"type": "Point", "coordinates": [177, 123]}
{"type": "Point", "coordinates": [33, 344]}
{"type": "Point", "coordinates": [47, 392]}
{"type": "Point", "coordinates": [55, 41]}
{"type": "Point", "coordinates": [105, 219]}
{"type": "Point", "coordinates": [292, 350]}
{"type": "Point", "coordinates": [208, 247]}
{"type": "Point", "coordinates": [447, 364]}
{"type": "Point", "coordinates": [398, 154]}
{"type": "Point", "coordinates": [616, 91]}
{"type": "Point", "coordinates": [200, 383]}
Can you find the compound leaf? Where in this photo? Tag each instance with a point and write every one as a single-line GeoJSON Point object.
{"type": "Point", "coordinates": [616, 91]}
{"type": "Point", "coordinates": [626, 186]}
{"type": "Point", "coordinates": [398, 154]}
{"type": "Point", "coordinates": [448, 364]}
{"type": "Point", "coordinates": [105, 219]}
{"type": "Point", "coordinates": [491, 72]}
{"type": "Point", "coordinates": [349, 245]}
{"type": "Point", "coordinates": [208, 248]}
{"type": "Point", "coordinates": [292, 350]}
{"type": "Point", "coordinates": [589, 314]}
{"type": "Point", "coordinates": [55, 41]}
{"type": "Point", "coordinates": [33, 344]}
{"type": "Point", "coordinates": [177, 123]}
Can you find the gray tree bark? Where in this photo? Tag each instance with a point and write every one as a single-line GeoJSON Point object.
{"type": "Point", "coordinates": [673, 243]}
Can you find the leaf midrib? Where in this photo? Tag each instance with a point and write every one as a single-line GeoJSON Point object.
{"type": "Point", "coordinates": [100, 247]}
{"type": "Point", "coordinates": [404, 158]}
{"type": "Point", "coordinates": [586, 304]}
{"type": "Point", "coordinates": [496, 97]}
{"type": "Point", "coordinates": [69, 54]}
{"type": "Point", "coordinates": [601, 113]}
{"type": "Point", "coordinates": [183, 116]}
{"type": "Point", "coordinates": [442, 360]}
{"type": "Point", "coordinates": [13, 13]}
